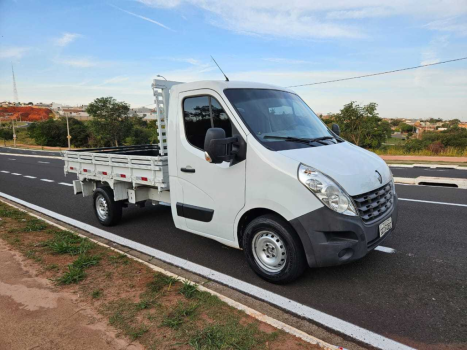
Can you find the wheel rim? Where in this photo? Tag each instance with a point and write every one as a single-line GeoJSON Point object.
{"type": "Point", "coordinates": [102, 208]}
{"type": "Point", "coordinates": [269, 251]}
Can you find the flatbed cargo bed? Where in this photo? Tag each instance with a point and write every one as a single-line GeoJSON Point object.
{"type": "Point", "coordinates": [139, 165]}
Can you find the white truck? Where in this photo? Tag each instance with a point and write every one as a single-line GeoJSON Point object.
{"type": "Point", "coordinates": [251, 166]}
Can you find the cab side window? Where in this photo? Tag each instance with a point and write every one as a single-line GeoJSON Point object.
{"type": "Point", "coordinates": [201, 113]}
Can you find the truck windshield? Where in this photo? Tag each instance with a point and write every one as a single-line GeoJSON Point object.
{"type": "Point", "coordinates": [279, 119]}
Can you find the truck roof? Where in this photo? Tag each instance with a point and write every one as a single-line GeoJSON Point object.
{"type": "Point", "coordinates": [220, 85]}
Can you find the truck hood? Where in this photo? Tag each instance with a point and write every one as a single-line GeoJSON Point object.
{"type": "Point", "coordinates": [351, 166]}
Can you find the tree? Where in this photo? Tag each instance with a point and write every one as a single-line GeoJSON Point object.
{"type": "Point", "coordinates": [6, 134]}
{"type": "Point", "coordinates": [140, 133]}
{"type": "Point", "coordinates": [395, 122]}
{"type": "Point", "coordinates": [53, 133]}
{"type": "Point", "coordinates": [454, 123]}
{"type": "Point", "coordinates": [406, 127]}
{"type": "Point", "coordinates": [362, 125]}
{"type": "Point", "coordinates": [110, 123]}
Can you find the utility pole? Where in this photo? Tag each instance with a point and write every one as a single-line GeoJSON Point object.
{"type": "Point", "coordinates": [68, 131]}
{"type": "Point", "coordinates": [14, 132]}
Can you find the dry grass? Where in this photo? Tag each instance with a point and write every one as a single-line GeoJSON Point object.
{"type": "Point", "coordinates": [399, 151]}
{"type": "Point", "coordinates": [158, 311]}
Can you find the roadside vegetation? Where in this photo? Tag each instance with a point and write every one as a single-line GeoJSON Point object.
{"type": "Point", "coordinates": [362, 126]}
{"type": "Point", "coordinates": [157, 310]}
{"type": "Point", "coordinates": [112, 125]}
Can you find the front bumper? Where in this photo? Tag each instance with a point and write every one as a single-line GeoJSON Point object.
{"type": "Point", "coordinates": [330, 238]}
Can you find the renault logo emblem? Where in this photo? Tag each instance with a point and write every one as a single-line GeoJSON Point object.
{"type": "Point", "coordinates": [380, 178]}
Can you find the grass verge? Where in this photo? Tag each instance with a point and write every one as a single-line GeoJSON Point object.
{"type": "Point", "coordinates": [158, 311]}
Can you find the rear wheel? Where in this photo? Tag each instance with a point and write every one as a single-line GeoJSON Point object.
{"type": "Point", "coordinates": [108, 211]}
{"type": "Point", "coordinates": [273, 249]}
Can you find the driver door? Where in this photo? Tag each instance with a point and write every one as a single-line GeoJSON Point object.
{"type": "Point", "coordinates": [213, 194]}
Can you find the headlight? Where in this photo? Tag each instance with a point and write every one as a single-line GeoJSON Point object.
{"type": "Point", "coordinates": [327, 191]}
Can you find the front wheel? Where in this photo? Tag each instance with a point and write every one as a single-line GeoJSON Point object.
{"type": "Point", "coordinates": [273, 249]}
{"type": "Point", "coordinates": [108, 211]}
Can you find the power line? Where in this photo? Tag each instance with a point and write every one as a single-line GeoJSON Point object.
{"type": "Point", "coordinates": [381, 73]}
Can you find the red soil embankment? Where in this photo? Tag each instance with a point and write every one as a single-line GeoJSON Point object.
{"type": "Point", "coordinates": [26, 114]}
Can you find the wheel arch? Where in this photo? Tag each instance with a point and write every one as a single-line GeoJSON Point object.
{"type": "Point", "coordinates": [253, 213]}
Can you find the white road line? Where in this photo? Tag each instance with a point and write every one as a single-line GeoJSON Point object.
{"type": "Point", "coordinates": [43, 162]}
{"type": "Point", "coordinates": [30, 177]}
{"type": "Point", "coordinates": [11, 159]}
{"type": "Point", "coordinates": [16, 174]}
{"type": "Point", "coordinates": [65, 184]}
{"type": "Point", "coordinates": [47, 180]}
{"type": "Point", "coordinates": [385, 249]}
{"type": "Point", "coordinates": [294, 307]}
{"type": "Point", "coordinates": [29, 155]}
{"type": "Point", "coordinates": [432, 202]}
{"type": "Point", "coordinates": [4, 171]}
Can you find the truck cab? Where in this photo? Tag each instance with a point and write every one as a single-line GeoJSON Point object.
{"type": "Point", "coordinates": [251, 166]}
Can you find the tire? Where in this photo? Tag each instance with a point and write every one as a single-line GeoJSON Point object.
{"type": "Point", "coordinates": [273, 250]}
{"type": "Point", "coordinates": [107, 211]}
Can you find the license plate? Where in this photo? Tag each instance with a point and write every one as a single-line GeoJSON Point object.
{"type": "Point", "coordinates": [385, 226]}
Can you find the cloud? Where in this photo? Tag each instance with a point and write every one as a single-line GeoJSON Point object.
{"type": "Point", "coordinates": [77, 62]}
{"type": "Point", "coordinates": [161, 3]}
{"type": "Point", "coordinates": [304, 19]}
{"type": "Point", "coordinates": [115, 80]}
{"type": "Point", "coordinates": [370, 12]}
{"type": "Point", "coordinates": [13, 52]}
{"type": "Point", "coordinates": [286, 60]}
{"type": "Point", "coordinates": [449, 25]}
{"type": "Point", "coordinates": [66, 38]}
{"type": "Point", "coordinates": [143, 18]}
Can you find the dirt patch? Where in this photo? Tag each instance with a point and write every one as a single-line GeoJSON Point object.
{"type": "Point", "coordinates": [34, 314]}
{"type": "Point", "coordinates": [26, 114]}
{"type": "Point", "coordinates": [73, 293]}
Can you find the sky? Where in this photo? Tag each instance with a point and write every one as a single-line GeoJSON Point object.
{"type": "Point", "coordinates": [75, 51]}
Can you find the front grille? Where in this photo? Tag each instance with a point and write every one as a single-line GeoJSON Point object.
{"type": "Point", "coordinates": [374, 204]}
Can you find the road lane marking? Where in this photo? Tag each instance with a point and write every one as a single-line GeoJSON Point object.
{"type": "Point", "coordinates": [47, 180]}
{"type": "Point", "coordinates": [43, 162]}
{"type": "Point", "coordinates": [29, 155]}
{"type": "Point", "coordinates": [4, 171]}
{"type": "Point", "coordinates": [385, 249]}
{"type": "Point", "coordinates": [432, 202]}
{"type": "Point", "coordinates": [65, 184]}
{"type": "Point", "coordinates": [30, 177]}
{"type": "Point", "coordinates": [16, 174]}
{"type": "Point", "coordinates": [292, 306]}
{"type": "Point", "coordinates": [11, 159]}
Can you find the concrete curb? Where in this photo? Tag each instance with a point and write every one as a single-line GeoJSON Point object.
{"type": "Point", "coordinates": [239, 306]}
{"type": "Point", "coordinates": [29, 155]}
{"type": "Point", "coordinates": [339, 327]}
{"type": "Point", "coordinates": [430, 166]}
{"type": "Point", "coordinates": [35, 149]}
{"type": "Point", "coordinates": [460, 183]}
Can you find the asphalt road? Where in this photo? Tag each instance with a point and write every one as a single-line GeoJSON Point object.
{"type": "Point", "coordinates": [416, 296]}
{"type": "Point", "coordinates": [27, 151]}
{"type": "Point", "coordinates": [437, 172]}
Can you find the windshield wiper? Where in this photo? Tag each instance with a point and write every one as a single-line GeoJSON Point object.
{"type": "Point", "coordinates": [297, 139]}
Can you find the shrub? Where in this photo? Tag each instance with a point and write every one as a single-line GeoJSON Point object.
{"type": "Point", "coordinates": [436, 147]}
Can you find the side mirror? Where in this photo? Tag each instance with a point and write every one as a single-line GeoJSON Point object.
{"type": "Point", "coordinates": [335, 129]}
{"type": "Point", "coordinates": [217, 147]}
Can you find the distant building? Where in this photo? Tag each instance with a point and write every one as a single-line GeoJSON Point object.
{"type": "Point", "coordinates": [143, 112]}
{"type": "Point", "coordinates": [43, 105]}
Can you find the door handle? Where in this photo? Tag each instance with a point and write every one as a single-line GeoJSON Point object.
{"type": "Point", "coordinates": [188, 170]}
